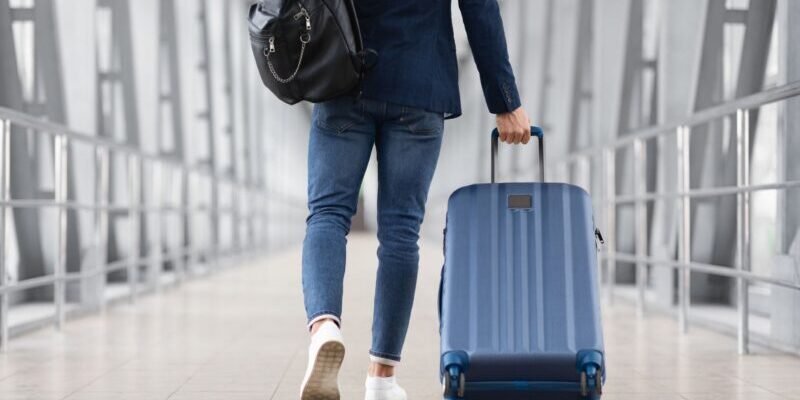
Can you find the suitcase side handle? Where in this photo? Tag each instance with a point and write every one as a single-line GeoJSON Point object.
{"type": "Point", "coordinates": [535, 131]}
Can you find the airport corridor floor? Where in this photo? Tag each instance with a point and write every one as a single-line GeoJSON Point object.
{"type": "Point", "coordinates": [239, 335]}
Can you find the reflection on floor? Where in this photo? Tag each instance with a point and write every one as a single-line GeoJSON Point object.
{"type": "Point", "coordinates": [240, 335]}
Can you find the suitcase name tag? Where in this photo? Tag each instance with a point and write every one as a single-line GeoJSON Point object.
{"type": "Point", "coordinates": [520, 202]}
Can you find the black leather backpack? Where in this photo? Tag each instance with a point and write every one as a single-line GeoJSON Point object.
{"type": "Point", "coordinates": [308, 49]}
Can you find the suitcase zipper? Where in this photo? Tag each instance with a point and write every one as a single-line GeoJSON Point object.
{"type": "Point", "coordinates": [599, 241]}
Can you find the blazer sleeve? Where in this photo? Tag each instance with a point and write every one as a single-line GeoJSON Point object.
{"type": "Point", "coordinates": [488, 42]}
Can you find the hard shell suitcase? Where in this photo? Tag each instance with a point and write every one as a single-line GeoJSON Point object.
{"type": "Point", "coordinates": [518, 302]}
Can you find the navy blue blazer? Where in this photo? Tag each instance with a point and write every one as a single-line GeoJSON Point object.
{"type": "Point", "coordinates": [417, 65]}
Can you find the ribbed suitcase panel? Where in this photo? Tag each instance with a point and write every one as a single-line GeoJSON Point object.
{"type": "Point", "coordinates": [520, 281]}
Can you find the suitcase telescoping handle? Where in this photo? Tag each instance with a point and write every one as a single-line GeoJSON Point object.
{"type": "Point", "coordinates": [535, 131]}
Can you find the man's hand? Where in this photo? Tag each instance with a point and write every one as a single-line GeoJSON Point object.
{"type": "Point", "coordinates": [514, 127]}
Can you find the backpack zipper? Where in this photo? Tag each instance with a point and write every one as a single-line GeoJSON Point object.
{"type": "Point", "coordinates": [304, 13]}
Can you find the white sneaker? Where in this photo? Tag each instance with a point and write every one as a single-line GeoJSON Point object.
{"type": "Point", "coordinates": [384, 389]}
{"type": "Point", "coordinates": [325, 355]}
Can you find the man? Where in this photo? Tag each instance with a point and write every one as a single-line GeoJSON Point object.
{"type": "Point", "coordinates": [405, 99]}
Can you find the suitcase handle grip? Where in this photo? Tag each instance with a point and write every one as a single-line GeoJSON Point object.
{"type": "Point", "coordinates": [535, 131]}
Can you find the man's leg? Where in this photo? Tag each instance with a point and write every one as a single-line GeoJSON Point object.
{"type": "Point", "coordinates": [408, 145]}
{"type": "Point", "coordinates": [339, 149]}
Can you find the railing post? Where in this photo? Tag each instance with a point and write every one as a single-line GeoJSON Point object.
{"type": "Point", "coordinates": [60, 195]}
{"type": "Point", "coordinates": [157, 266]}
{"type": "Point", "coordinates": [640, 218]}
{"type": "Point", "coordinates": [609, 160]}
{"type": "Point", "coordinates": [255, 212]}
{"type": "Point", "coordinates": [265, 219]}
{"type": "Point", "coordinates": [252, 200]}
{"type": "Point", "coordinates": [236, 247]}
{"type": "Point", "coordinates": [251, 242]}
{"type": "Point", "coordinates": [180, 254]}
{"type": "Point", "coordinates": [223, 214]}
{"type": "Point", "coordinates": [101, 226]}
{"type": "Point", "coordinates": [259, 220]}
{"type": "Point", "coordinates": [191, 210]}
{"type": "Point", "coordinates": [5, 164]}
{"type": "Point", "coordinates": [214, 214]}
{"type": "Point", "coordinates": [684, 231]}
{"type": "Point", "coordinates": [743, 225]}
{"type": "Point", "coordinates": [134, 202]}
{"type": "Point", "coordinates": [255, 222]}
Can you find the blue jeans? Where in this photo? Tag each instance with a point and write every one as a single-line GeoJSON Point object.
{"type": "Point", "coordinates": [407, 142]}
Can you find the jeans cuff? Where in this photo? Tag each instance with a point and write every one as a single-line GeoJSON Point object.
{"type": "Point", "coordinates": [384, 358]}
{"type": "Point", "coordinates": [323, 315]}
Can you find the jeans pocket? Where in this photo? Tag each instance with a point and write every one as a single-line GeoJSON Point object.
{"type": "Point", "coordinates": [422, 122]}
{"type": "Point", "coordinates": [338, 115]}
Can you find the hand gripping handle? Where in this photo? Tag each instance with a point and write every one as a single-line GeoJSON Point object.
{"type": "Point", "coordinates": [535, 131]}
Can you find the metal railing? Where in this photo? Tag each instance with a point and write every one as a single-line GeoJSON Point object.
{"type": "Point", "coordinates": [605, 156]}
{"type": "Point", "coordinates": [246, 211]}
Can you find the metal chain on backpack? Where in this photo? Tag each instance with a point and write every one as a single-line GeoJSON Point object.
{"type": "Point", "coordinates": [304, 39]}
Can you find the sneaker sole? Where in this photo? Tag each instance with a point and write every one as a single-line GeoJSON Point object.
{"type": "Point", "coordinates": [323, 382]}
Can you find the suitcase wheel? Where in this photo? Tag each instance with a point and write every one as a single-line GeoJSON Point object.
{"type": "Point", "coordinates": [584, 385]}
{"type": "Point", "coordinates": [598, 383]}
{"type": "Point", "coordinates": [590, 365]}
{"type": "Point", "coordinates": [453, 385]}
{"type": "Point", "coordinates": [592, 383]}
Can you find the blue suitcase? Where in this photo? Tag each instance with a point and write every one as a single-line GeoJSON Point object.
{"type": "Point", "coordinates": [518, 303]}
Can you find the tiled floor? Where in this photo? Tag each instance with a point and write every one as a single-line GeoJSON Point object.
{"type": "Point", "coordinates": [239, 336]}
